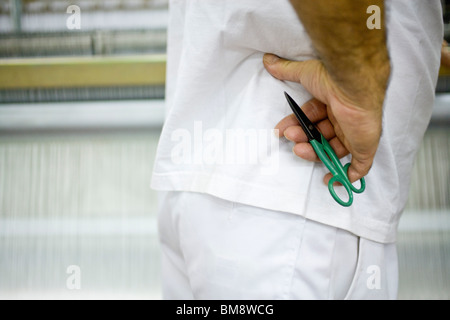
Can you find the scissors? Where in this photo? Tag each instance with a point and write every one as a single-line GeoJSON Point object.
{"type": "Point", "coordinates": [327, 155]}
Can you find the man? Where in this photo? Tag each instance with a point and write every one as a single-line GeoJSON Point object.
{"type": "Point", "coordinates": [240, 216]}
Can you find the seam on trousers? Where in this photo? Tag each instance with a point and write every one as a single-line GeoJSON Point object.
{"type": "Point", "coordinates": [170, 250]}
{"type": "Point", "coordinates": [331, 289]}
{"type": "Point", "coordinates": [181, 203]}
{"type": "Point", "coordinates": [358, 270]}
{"type": "Point", "coordinates": [290, 269]}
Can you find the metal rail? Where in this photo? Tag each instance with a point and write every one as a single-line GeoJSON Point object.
{"type": "Point", "coordinates": [70, 72]}
{"type": "Point", "coordinates": [49, 6]}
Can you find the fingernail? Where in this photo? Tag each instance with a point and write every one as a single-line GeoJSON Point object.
{"type": "Point", "coordinates": [270, 58]}
{"type": "Point", "coordinates": [287, 137]}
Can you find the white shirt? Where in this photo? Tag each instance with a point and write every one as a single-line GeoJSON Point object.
{"type": "Point", "coordinates": [222, 106]}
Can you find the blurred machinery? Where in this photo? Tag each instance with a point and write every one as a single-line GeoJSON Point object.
{"type": "Point", "coordinates": [133, 32]}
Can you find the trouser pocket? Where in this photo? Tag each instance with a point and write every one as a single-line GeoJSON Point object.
{"type": "Point", "coordinates": [376, 274]}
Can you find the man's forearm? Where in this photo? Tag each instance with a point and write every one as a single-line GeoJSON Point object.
{"type": "Point", "coordinates": [355, 56]}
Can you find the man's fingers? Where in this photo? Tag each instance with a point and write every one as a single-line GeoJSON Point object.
{"type": "Point", "coordinates": [297, 135]}
{"type": "Point", "coordinates": [327, 179]}
{"type": "Point", "coordinates": [305, 151]}
{"type": "Point", "coordinates": [313, 109]}
{"type": "Point", "coordinates": [338, 147]}
{"type": "Point", "coordinates": [285, 123]}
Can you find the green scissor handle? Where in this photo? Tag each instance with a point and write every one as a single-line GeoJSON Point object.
{"type": "Point", "coordinates": [326, 153]}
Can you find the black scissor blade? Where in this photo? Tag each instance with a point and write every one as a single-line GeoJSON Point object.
{"type": "Point", "coordinates": [310, 130]}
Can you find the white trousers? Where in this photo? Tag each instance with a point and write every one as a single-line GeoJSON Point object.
{"type": "Point", "coordinates": [217, 249]}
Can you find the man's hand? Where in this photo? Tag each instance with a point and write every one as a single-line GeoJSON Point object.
{"type": "Point", "coordinates": [349, 81]}
{"type": "Point", "coordinates": [347, 125]}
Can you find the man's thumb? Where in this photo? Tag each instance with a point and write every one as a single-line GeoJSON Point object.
{"type": "Point", "coordinates": [310, 73]}
{"type": "Point", "coordinates": [358, 169]}
{"type": "Point", "coordinates": [282, 69]}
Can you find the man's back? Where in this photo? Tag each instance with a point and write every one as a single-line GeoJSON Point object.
{"type": "Point", "coordinates": [222, 105]}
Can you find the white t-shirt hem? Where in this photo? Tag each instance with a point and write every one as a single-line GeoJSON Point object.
{"type": "Point", "coordinates": [274, 199]}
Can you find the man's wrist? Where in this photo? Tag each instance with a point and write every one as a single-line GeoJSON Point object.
{"type": "Point", "coordinates": [365, 83]}
{"type": "Point", "coordinates": [355, 57]}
